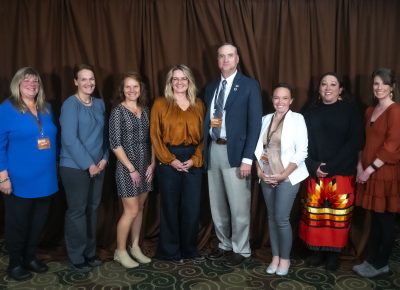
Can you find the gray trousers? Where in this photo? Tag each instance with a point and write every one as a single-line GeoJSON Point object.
{"type": "Point", "coordinates": [279, 201]}
{"type": "Point", "coordinates": [230, 199]}
{"type": "Point", "coordinates": [83, 195]}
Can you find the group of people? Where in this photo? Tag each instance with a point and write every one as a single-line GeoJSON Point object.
{"type": "Point", "coordinates": [175, 140]}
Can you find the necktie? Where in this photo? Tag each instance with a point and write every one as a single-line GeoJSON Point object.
{"type": "Point", "coordinates": [218, 109]}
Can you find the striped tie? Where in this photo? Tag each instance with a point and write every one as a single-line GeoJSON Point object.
{"type": "Point", "coordinates": [218, 109]}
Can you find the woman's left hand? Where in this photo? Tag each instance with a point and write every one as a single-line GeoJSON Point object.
{"type": "Point", "coordinates": [363, 176]}
{"type": "Point", "coordinates": [268, 179]}
{"type": "Point", "coordinates": [278, 178]}
{"type": "Point", "coordinates": [6, 187]}
{"type": "Point", "coordinates": [275, 179]}
{"type": "Point", "coordinates": [187, 164]}
{"type": "Point", "coordinates": [102, 164]}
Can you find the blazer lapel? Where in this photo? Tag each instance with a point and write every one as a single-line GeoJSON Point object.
{"type": "Point", "coordinates": [233, 93]}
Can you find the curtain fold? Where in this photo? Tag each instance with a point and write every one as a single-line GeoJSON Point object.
{"type": "Point", "coordinates": [278, 40]}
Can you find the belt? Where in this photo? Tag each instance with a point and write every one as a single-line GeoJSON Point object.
{"type": "Point", "coordinates": [221, 141]}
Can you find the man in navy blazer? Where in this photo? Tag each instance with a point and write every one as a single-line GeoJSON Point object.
{"type": "Point", "coordinates": [230, 140]}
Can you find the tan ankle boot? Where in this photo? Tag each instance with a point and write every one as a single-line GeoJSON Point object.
{"type": "Point", "coordinates": [139, 256]}
{"type": "Point", "coordinates": [124, 259]}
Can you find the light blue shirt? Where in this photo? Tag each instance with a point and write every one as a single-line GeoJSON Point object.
{"type": "Point", "coordinates": [229, 81]}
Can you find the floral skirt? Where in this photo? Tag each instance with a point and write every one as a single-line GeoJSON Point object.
{"type": "Point", "coordinates": [326, 214]}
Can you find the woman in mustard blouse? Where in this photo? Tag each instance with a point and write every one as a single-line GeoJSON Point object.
{"type": "Point", "coordinates": [177, 138]}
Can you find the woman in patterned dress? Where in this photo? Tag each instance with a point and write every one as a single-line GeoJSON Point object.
{"type": "Point", "coordinates": [130, 142]}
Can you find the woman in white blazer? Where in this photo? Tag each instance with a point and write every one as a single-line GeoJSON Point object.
{"type": "Point", "coordinates": [280, 152]}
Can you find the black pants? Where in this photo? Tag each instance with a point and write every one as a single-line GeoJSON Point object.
{"type": "Point", "coordinates": [381, 239]}
{"type": "Point", "coordinates": [180, 207]}
{"type": "Point", "coordinates": [24, 221]}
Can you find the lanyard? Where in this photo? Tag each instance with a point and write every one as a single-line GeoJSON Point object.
{"type": "Point", "coordinates": [269, 133]}
{"type": "Point", "coordinates": [38, 122]}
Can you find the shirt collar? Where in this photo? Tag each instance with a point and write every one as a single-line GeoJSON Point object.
{"type": "Point", "coordinates": [229, 80]}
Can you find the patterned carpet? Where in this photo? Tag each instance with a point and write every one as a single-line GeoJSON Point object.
{"type": "Point", "coordinates": [204, 275]}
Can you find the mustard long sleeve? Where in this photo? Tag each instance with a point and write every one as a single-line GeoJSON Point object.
{"type": "Point", "coordinates": [170, 125]}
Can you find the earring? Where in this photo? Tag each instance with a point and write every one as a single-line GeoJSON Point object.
{"type": "Point", "coordinates": [340, 98]}
{"type": "Point", "coordinates": [391, 95]}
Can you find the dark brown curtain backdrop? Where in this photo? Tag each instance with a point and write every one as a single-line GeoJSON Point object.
{"type": "Point", "coordinates": [278, 40]}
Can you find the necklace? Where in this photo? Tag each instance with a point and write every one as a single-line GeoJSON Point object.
{"type": "Point", "coordinates": [135, 110]}
{"type": "Point", "coordinates": [86, 103]}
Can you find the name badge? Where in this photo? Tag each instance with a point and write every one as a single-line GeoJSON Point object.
{"type": "Point", "coordinates": [216, 122]}
{"type": "Point", "coordinates": [43, 143]}
{"type": "Point", "coordinates": [264, 158]}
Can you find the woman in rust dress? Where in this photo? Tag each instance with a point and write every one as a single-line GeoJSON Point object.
{"type": "Point", "coordinates": [378, 173]}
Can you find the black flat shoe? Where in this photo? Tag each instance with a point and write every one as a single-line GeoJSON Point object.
{"type": "Point", "coordinates": [218, 254]}
{"type": "Point", "coordinates": [234, 260]}
{"type": "Point", "coordinates": [332, 261]}
{"type": "Point", "coordinates": [82, 267]}
{"type": "Point", "coordinates": [94, 261]}
{"type": "Point", "coordinates": [36, 266]}
{"type": "Point", "coordinates": [195, 259]}
{"type": "Point", "coordinates": [315, 259]}
{"type": "Point", "coordinates": [19, 273]}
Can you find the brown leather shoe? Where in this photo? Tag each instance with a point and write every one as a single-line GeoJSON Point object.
{"type": "Point", "coordinates": [218, 254]}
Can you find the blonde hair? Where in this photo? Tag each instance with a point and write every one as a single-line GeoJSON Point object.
{"type": "Point", "coordinates": [192, 90]}
{"type": "Point", "coordinates": [16, 98]}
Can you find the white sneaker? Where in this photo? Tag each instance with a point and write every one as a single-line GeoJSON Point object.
{"type": "Point", "coordinates": [124, 259]}
{"type": "Point", "coordinates": [361, 267]}
{"type": "Point", "coordinates": [271, 269]}
{"type": "Point", "coordinates": [280, 271]}
{"type": "Point", "coordinates": [370, 271]}
{"type": "Point", "coordinates": [138, 255]}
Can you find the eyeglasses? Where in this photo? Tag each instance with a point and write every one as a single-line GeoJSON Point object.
{"type": "Point", "coordinates": [184, 79]}
{"type": "Point", "coordinates": [30, 82]}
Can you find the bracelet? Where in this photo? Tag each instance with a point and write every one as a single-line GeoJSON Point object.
{"type": "Point", "coordinates": [132, 170]}
{"type": "Point", "coordinates": [4, 180]}
{"type": "Point", "coordinates": [374, 166]}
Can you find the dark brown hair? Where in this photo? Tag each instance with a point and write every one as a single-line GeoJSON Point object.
{"type": "Point", "coordinates": [143, 98]}
{"type": "Point", "coordinates": [79, 67]}
{"type": "Point", "coordinates": [388, 77]}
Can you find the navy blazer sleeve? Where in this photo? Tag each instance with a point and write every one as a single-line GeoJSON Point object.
{"type": "Point", "coordinates": [254, 117]}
